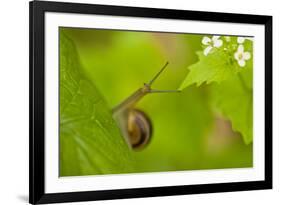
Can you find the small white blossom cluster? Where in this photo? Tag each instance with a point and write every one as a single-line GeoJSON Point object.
{"type": "Point", "coordinates": [214, 42]}
{"type": "Point", "coordinates": [240, 55]}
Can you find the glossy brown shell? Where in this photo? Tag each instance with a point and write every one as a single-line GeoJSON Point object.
{"type": "Point", "coordinates": [139, 129]}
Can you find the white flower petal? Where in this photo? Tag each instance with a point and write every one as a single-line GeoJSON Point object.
{"type": "Point", "coordinates": [246, 55]}
{"type": "Point", "coordinates": [240, 49]}
{"type": "Point", "coordinates": [215, 38]}
{"type": "Point", "coordinates": [240, 40]}
{"type": "Point", "coordinates": [206, 40]}
{"type": "Point", "coordinates": [218, 43]}
{"type": "Point", "coordinates": [207, 50]}
{"type": "Point", "coordinates": [236, 56]}
{"type": "Point", "coordinates": [242, 63]}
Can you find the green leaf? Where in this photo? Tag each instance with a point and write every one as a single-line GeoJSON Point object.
{"type": "Point", "coordinates": [215, 67]}
{"type": "Point", "coordinates": [90, 141]}
{"type": "Point", "coordinates": [234, 98]}
{"type": "Point", "coordinates": [232, 91]}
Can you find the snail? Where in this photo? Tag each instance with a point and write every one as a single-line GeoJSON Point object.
{"type": "Point", "coordinates": [135, 125]}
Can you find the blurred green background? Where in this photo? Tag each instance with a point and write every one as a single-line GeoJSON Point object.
{"type": "Point", "coordinates": [188, 133]}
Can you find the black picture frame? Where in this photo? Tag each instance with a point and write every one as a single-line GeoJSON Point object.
{"type": "Point", "coordinates": [37, 11]}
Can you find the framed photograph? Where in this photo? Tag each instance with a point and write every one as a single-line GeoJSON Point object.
{"type": "Point", "coordinates": [132, 102]}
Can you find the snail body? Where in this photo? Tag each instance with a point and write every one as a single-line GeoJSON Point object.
{"type": "Point", "coordinates": [135, 125]}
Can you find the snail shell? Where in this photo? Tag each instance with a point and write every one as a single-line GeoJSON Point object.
{"type": "Point", "coordinates": [139, 128]}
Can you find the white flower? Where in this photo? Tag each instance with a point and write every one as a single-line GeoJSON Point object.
{"type": "Point", "coordinates": [240, 40]}
{"type": "Point", "coordinates": [211, 43]}
{"type": "Point", "coordinates": [241, 56]}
